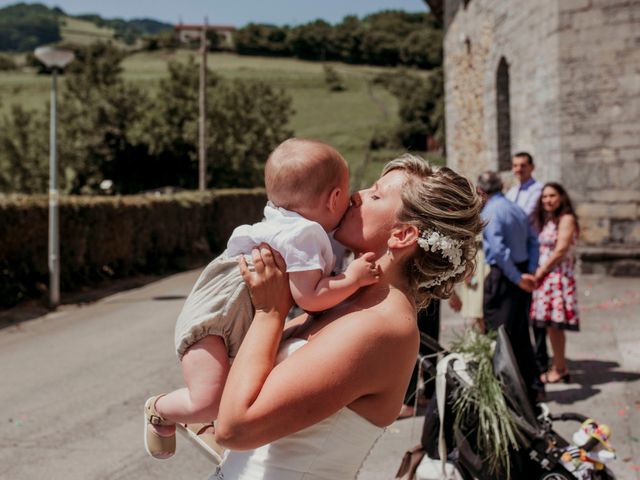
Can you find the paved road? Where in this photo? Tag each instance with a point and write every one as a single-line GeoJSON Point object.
{"type": "Point", "coordinates": [73, 383]}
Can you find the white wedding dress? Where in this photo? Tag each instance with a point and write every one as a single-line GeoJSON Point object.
{"type": "Point", "coordinates": [333, 449]}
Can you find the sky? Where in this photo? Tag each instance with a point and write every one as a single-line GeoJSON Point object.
{"type": "Point", "coordinates": [232, 12]}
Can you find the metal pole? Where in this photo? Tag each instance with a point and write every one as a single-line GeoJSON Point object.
{"type": "Point", "coordinates": [202, 156]}
{"type": "Point", "coordinates": [54, 245]}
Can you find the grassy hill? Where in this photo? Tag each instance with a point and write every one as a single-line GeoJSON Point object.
{"type": "Point", "coordinates": [24, 26]}
{"type": "Point", "coordinates": [83, 32]}
{"type": "Point", "coordinates": [346, 119]}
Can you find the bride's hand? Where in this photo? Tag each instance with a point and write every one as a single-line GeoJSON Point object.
{"type": "Point", "coordinates": [269, 282]}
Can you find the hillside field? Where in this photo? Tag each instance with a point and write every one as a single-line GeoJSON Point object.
{"type": "Point", "coordinates": [345, 119]}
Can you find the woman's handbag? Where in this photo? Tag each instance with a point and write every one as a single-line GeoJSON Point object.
{"type": "Point", "coordinates": [409, 464]}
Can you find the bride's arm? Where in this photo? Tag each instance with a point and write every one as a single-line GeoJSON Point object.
{"type": "Point", "coordinates": [262, 403]}
{"type": "Point", "coordinates": [271, 298]}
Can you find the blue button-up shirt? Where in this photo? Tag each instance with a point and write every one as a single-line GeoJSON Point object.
{"type": "Point", "coordinates": [526, 195]}
{"type": "Point", "coordinates": [508, 238]}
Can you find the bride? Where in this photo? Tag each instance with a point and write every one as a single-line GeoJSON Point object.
{"type": "Point", "coordinates": [311, 402]}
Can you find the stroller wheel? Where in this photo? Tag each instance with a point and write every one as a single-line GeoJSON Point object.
{"type": "Point", "coordinates": [555, 475]}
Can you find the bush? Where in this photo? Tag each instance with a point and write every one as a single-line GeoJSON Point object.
{"type": "Point", "coordinates": [333, 79]}
{"type": "Point", "coordinates": [7, 63]}
{"type": "Point", "coordinates": [420, 106]}
{"type": "Point", "coordinates": [112, 237]}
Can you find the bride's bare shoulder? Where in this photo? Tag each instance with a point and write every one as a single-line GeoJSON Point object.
{"type": "Point", "coordinates": [393, 318]}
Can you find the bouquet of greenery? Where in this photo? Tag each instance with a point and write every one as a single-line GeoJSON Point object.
{"type": "Point", "coordinates": [481, 404]}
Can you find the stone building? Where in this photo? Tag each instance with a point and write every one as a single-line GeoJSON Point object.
{"type": "Point", "coordinates": [560, 79]}
{"type": "Point", "coordinates": [190, 33]}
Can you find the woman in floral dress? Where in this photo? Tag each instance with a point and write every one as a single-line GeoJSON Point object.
{"type": "Point", "coordinates": [555, 301]}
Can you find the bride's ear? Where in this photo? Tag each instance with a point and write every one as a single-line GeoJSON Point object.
{"type": "Point", "coordinates": [403, 236]}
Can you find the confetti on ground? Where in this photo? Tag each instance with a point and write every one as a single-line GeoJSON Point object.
{"type": "Point", "coordinates": [635, 468]}
{"type": "Point", "coordinates": [622, 412]}
{"type": "Point", "coordinates": [629, 298]}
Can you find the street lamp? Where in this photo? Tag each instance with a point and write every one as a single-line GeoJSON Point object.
{"type": "Point", "coordinates": [55, 59]}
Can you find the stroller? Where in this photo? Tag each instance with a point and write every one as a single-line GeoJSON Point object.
{"type": "Point", "coordinates": [446, 452]}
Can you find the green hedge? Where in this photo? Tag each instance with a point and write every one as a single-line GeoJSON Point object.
{"type": "Point", "coordinates": [113, 237]}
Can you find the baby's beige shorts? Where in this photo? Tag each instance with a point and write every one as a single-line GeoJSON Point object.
{"type": "Point", "coordinates": [219, 304]}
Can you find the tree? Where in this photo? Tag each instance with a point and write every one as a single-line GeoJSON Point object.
{"type": "Point", "coordinates": [380, 48]}
{"type": "Point", "coordinates": [386, 38]}
{"type": "Point", "coordinates": [24, 151]}
{"type": "Point", "coordinates": [111, 129]}
{"type": "Point", "coordinates": [261, 39]}
{"type": "Point", "coordinates": [420, 106]}
{"type": "Point", "coordinates": [347, 38]}
{"type": "Point", "coordinates": [422, 48]}
{"type": "Point", "coordinates": [396, 22]}
{"type": "Point", "coordinates": [245, 121]}
{"type": "Point", "coordinates": [171, 127]}
{"type": "Point", "coordinates": [99, 121]}
{"type": "Point", "coordinates": [312, 41]}
{"type": "Point", "coordinates": [23, 27]}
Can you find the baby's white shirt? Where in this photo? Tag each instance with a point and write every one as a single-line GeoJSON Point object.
{"type": "Point", "coordinates": [302, 242]}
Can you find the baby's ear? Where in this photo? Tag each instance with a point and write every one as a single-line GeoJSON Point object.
{"type": "Point", "coordinates": [334, 196]}
{"type": "Point", "coordinates": [403, 235]}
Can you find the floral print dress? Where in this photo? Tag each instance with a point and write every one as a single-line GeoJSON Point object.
{"type": "Point", "coordinates": [555, 301]}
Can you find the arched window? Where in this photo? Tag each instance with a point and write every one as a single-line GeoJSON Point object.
{"type": "Point", "coordinates": [503, 116]}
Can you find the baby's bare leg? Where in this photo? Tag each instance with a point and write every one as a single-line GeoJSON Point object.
{"type": "Point", "coordinates": [205, 366]}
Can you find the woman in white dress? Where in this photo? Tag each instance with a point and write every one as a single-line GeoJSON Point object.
{"type": "Point", "coordinates": [311, 402]}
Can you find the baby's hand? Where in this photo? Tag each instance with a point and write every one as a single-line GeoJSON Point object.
{"type": "Point", "coordinates": [363, 270]}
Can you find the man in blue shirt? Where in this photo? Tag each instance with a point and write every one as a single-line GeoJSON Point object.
{"type": "Point", "coordinates": [511, 249]}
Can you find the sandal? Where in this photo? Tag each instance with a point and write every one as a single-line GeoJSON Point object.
{"type": "Point", "coordinates": [561, 376]}
{"type": "Point", "coordinates": [203, 435]}
{"type": "Point", "coordinates": [410, 463]}
{"type": "Point", "coordinates": [156, 445]}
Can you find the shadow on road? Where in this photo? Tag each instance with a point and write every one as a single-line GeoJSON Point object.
{"type": "Point", "coordinates": [587, 374]}
{"type": "Point", "coordinates": [30, 309]}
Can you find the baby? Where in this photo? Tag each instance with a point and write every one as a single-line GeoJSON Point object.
{"type": "Point", "coordinates": [307, 185]}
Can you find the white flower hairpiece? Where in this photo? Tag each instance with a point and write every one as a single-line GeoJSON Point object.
{"type": "Point", "coordinates": [432, 240]}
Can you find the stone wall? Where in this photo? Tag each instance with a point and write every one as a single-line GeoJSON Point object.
{"type": "Point", "coordinates": [478, 36]}
{"type": "Point", "coordinates": [599, 58]}
{"type": "Point", "coordinates": [574, 68]}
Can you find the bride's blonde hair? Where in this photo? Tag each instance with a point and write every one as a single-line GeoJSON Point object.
{"type": "Point", "coordinates": [437, 199]}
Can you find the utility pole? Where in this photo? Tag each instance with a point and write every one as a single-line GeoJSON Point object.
{"type": "Point", "coordinates": [202, 124]}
